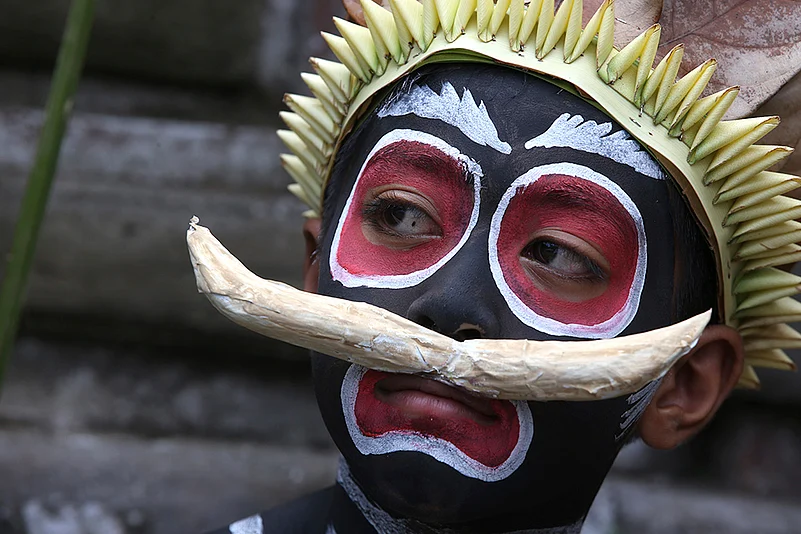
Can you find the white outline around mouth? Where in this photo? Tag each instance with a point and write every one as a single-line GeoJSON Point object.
{"type": "Point", "coordinates": [437, 448]}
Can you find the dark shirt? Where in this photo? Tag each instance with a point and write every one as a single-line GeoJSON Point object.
{"type": "Point", "coordinates": [306, 515]}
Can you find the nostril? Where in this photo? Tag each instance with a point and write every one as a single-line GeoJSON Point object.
{"type": "Point", "coordinates": [468, 331]}
{"type": "Point", "coordinates": [427, 322]}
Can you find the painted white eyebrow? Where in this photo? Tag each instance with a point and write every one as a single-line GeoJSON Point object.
{"type": "Point", "coordinates": [589, 136]}
{"type": "Point", "coordinates": [462, 112]}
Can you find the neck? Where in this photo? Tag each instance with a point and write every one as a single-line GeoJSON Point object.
{"type": "Point", "coordinates": [354, 513]}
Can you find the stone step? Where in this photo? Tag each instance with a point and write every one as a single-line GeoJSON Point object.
{"type": "Point", "coordinates": [198, 42]}
{"type": "Point", "coordinates": [138, 98]}
{"type": "Point", "coordinates": [112, 242]}
{"type": "Point", "coordinates": [170, 485]}
{"type": "Point", "coordinates": [163, 486]}
{"type": "Point", "coordinates": [160, 393]}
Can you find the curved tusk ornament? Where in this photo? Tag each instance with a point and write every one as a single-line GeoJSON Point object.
{"type": "Point", "coordinates": [513, 369]}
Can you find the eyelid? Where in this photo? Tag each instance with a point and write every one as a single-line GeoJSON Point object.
{"type": "Point", "coordinates": [407, 194]}
{"type": "Point", "coordinates": [575, 244]}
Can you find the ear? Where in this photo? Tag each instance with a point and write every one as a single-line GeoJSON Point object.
{"type": "Point", "coordinates": [693, 389]}
{"type": "Point", "coordinates": [311, 262]}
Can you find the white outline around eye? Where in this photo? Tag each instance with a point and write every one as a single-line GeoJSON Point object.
{"type": "Point", "coordinates": [398, 281]}
{"type": "Point", "coordinates": [623, 317]}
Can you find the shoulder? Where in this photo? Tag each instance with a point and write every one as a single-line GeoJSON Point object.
{"type": "Point", "coordinates": [306, 515]}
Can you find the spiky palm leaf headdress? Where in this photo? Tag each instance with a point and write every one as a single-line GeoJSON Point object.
{"type": "Point", "coordinates": [721, 171]}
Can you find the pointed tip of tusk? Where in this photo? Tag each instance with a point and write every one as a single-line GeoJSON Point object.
{"type": "Point", "coordinates": [193, 227]}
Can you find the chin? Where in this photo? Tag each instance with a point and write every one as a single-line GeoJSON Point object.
{"type": "Point", "coordinates": [413, 493]}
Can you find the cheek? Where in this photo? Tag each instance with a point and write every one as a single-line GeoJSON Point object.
{"type": "Point", "coordinates": [612, 225]}
{"type": "Point", "coordinates": [431, 168]}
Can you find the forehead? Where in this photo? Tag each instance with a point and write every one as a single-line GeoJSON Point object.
{"type": "Point", "coordinates": [512, 103]}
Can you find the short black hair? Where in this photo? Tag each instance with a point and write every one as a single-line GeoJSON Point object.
{"type": "Point", "coordinates": [695, 268]}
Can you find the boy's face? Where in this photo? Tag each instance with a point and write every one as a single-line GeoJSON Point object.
{"type": "Point", "coordinates": [532, 216]}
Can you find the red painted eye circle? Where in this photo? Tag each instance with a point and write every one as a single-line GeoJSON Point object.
{"type": "Point", "coordinates": [568, 252]}
{"type": "Point", "coordinates": [411, 209]}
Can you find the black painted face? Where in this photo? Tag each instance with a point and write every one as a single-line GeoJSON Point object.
{"type": "Point", "coordinates": [531, 215]}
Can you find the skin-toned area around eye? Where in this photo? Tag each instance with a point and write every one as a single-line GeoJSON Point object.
{"type": "Point", "coordinates": [370, 336]}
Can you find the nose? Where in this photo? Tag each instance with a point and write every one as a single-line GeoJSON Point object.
{"type": "Point", "coordinates": [459, 314]}
{"type": "Point", "coordinates": [460, 299]}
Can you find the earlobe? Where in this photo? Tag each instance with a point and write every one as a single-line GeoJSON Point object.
{"type": "Point", "coordinates": [691, 393]}
{"type": "Point", "coordinates": [311, 263]}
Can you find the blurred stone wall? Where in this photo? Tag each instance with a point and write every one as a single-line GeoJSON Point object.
{"type": "Point", "coordinates": [131, 405]}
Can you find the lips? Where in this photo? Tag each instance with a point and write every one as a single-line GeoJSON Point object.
{"type": "Point", "coordinates": [485, 430]}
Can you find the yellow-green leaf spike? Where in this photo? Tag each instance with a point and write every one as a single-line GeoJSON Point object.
{"type": "Point", "coordinates": [298, 191]}
{"type": "Point", "coordinates": [752, 199]}
{"type": "Point", "coordinates": [787, 258]}
{"type": "Point", "coordinates": [715, 115]}
{"type": "Point", "coordinates": [484, 10]}
{"type": "Point", "coordinates": [298, 147]}
{"type": "Point", "coordinates": [528, 21]}
{"type": "Point", "coordinates": [590, 31]}
{"type": "Point", "coordinates": [341, 49]}
{"type": "Point", "coordinates": [573, 30]}
{"type": "Point", "coordinates": [663, 78]}
{"type": "Point", "coordinates": [446, 11]}
{"type": "Point", "coordinates": [782, 307]}
{"type": "Point", "coordinates": [748, 378]}
{"type": "Point", "coordinates": [777, 331]}
{"type": "Point", "coordinates": [606, 35]}
{"type": "Point", "coordinates": [361, 43]}
{"type": "Point", "coordinates": [313, 112]}
{"type": "Point", "coordinates": [557, 28]}
{"type": "Point", "coordinates": [337, 77]}
{"type": "Point", "coordinates": [707, 70]}
{"type": "Point", "coordinates": [382, 27]}
{"type": "Point", "coordinates": [632, 52]}
{"type": "Point", "coordinates": [730, 133]}
{"type": "Point", "coordinates": [408, 15]}
{"type": "Point", "coordinates": [517, 12]}
{"type": "Point", "coordinates": [779, 229]}
{"type": "Point", "coordinates": [301, 174]}
{"type": "Point", "coordinates": [771, 242]}
{"type": "Point", "coordinates": [498, 16]}
{"type": "Point", "coordinates": [729, 151]}
{"type": "Point", "coordinates": [544, 23]}
{"type": "Point", "coordinates": [430, 23]}
{"type": "Point", "coordinates": [463, 15]}
{"type": "Point", "coordinates": [765, 279]}
{"type": "Point", "coordinates": [775, 359]}
{"type": "Point", "coordinates": [768, 295]}
{"type": "Point", "coordinates": [320, 90]}
{"type": "Point", "coordinates": [691, 84]}
{"type": "Point", "coordinates": [768, 208]}
{"type": "Point", "coordinates": [747, 164]}
{"type": "Point", "coordinates": [302, 129]}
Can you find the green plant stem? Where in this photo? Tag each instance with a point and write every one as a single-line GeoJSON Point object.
{"type": "Point", "coordinates": [59, 105]}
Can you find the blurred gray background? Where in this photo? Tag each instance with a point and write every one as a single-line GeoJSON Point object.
{"type": "Point", "coordinates": [131, 406]}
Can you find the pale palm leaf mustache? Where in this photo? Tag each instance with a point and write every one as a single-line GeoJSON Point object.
{"type": "Point", "coordinates": [514, 369]}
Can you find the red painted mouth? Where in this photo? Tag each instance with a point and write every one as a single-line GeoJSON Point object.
{"type": "Point", "coordinates": [486, 430]}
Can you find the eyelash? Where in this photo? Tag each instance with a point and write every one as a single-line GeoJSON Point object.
{"type": "Point", "coordinates": [374, 209]}
{"type": "Point", "coordinates": [596, 274]}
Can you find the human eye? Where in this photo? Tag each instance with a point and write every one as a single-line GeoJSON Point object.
{"type": "Point", "coordinates": [399, 218]}
{"type": "Point", "coordinates": [561, 260]}
{"type": "Point", "coordinates": [565, 265]}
